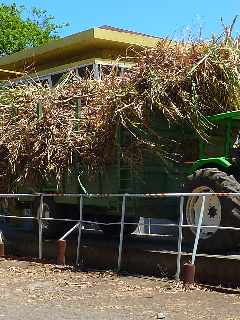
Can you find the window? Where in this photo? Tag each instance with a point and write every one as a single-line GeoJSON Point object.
{"type": "Point", "coordinates": [108, 69]}
{"type": "Point", "coordinates": [56, 78]}
{"type": "Point", "coordinates": [85, 71]}
{"type": "Point", "coordinates": [216, 145]}
{"type": "Point", "coordinates": [44, 82]}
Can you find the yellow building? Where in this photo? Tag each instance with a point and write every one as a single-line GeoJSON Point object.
{"type": "Point", "coordinates": [93, 49]}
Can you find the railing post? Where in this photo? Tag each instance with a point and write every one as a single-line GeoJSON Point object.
{"type": "Point", "coordinates": [121, 234]}
{"type": "Point", "coordinates": [2, 251]}
{"type": "Point", "coordinates": [178, 271]}
{"type": "Point", "coordinates": [198, 230]}
{"type": "Point", "coordinates": [40, 228]}
{"type": "Point", "coordinates": [79, 229]}
{"type": "Point", "coordinates": [149, 225]}
{"type": "Point", "coordinates": [189, 268]}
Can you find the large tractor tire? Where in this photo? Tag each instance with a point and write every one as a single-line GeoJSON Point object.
{"type": "Point", "coordinates": [113, 230]}
{"type": "Point", "coordinates": [219, 210]}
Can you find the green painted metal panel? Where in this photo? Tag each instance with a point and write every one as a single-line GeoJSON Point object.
{"type": "Point", "coordinates": [219, 162]}
{"type": "Point", "coordinates": [226, 115]}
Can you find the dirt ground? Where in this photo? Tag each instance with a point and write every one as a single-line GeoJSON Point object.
{"type": "Point", "coordinates": [30, 290]}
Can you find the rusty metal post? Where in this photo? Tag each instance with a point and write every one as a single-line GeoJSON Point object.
{"type": "Point", "coordinates": [61, 249]}
{"type": "Point", "coordinates": [188, 273]}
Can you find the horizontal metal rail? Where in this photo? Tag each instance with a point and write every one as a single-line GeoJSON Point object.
{"type": "Point", "coordinates": [118, 223]}
{"type": "Point", "coordinates": [140, 195]}
{"type": "Point", "coordinates": [105, 195]}
{"type": "Point", "coordinates": [205, 255]}
{"type": "Point", "coordinates": [70, 231]}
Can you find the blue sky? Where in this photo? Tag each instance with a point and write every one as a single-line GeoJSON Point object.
{"type": "Point", "coordinates": [173, 18]}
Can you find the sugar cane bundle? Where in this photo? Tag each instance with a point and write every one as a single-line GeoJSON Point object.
{"type": "Point", "coordinates": [41, 134]}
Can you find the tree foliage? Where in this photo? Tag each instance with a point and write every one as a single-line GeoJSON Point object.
{"type": "Point", "coordinates": [21, 28]}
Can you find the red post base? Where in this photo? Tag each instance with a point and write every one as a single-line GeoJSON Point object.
{"type": "Point", "coordinates": [61, 248]}
{"type": "Point", "coordinates": [188, 273]}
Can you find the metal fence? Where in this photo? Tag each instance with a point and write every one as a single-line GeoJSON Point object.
{"type": "Point", "coordinates": [79, 222]}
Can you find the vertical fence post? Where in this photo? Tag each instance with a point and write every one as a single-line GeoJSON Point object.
{"type": "Point", "coordinates": [121, 234]}
{"type": "Point", "coordinates": [2, 251]}
{"type": "Point", "coordinates": [149, 225]}
{"type": "Point", "coordinates": [189, 268]}
{"type": "Point", "coordinates": [79, 229]}
{"type": "Point", "coordinates": [177, 275]}
{"type": "Point", "coordinates": [40, 228]}
{"type": "Point", "coordinates": [198, 230]}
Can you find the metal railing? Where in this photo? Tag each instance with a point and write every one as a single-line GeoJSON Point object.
{"type": "Point", "coordinates": [81, 221]}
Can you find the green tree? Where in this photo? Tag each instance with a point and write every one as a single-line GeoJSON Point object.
{"type": "Point", "coordinates": [20, 28]}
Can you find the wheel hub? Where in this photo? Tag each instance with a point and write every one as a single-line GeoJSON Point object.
{"type": "Point", "coordinates": [211, 214]}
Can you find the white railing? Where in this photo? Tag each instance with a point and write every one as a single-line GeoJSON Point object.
{"type": "Point", "coordinates": [80, 221]}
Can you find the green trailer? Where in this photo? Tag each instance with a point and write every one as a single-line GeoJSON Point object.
{"type": "Point", "coordinates": [202, 166]}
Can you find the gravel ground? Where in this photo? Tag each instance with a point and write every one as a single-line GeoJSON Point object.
{"type": "Point", "coordinates": [31, 290]}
